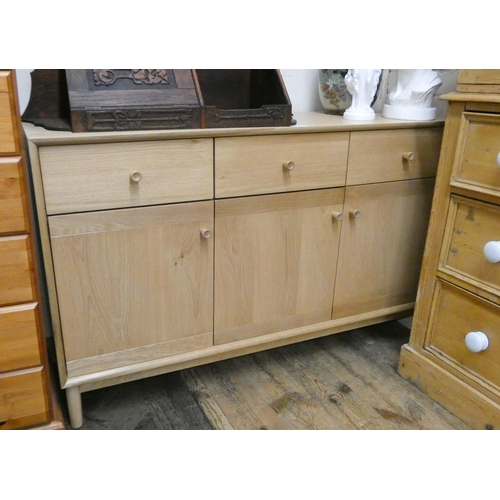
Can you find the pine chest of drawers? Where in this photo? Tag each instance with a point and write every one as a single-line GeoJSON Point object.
{"type": "Point", "coordinates": [454, 349]}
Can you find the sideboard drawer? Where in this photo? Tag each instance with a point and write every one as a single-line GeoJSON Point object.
{"type": "Point", "coordinates": [85, 177]}
{"type": "Point", "coordinates": [18, 337]}
{"type": "Point", "coordinates": [11, 198]}
{"type": "Point", "coordinates": [7, 133]}
{"type": "Point", "coordinates": [21, 394]}
{"type": "Point", "coordinates": [457, 313]}
{"type": "Point", "coordinates": [478, 154]}
{"type": "Point", "coordinates": [472, 225]}
{"type": "Point", "coordinates": [280, 163]}
{"type": "Point", "coordinates": [393, 155]}
{"type": "Point", "coordinates": [15, 273]}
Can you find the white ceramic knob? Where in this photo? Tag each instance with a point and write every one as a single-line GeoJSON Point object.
{"type": "Point", "coordinates": [289, 165]}
{"type": "Point", "coordinates": [491, 251]}
{"type": "Point", "coordinates": [476, 341]}
{"type": "Point", "coordinates": [206, 233]}
{"type": "Point", "coordinates": [498, 159]}
{"type": "Point", "coordinates": [355, 214]}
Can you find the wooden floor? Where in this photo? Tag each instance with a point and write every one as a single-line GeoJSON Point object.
{"type": "Point", "coordinates": [344, 381]}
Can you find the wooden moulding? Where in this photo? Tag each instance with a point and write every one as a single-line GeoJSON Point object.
{"type": "Point", "coordinates": [100, 100]}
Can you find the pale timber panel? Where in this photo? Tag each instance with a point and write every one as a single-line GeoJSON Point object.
{"type": "Point", "coordinates": [11, 197]}
{"type": "Point", "coordinates": [85, 177]}
{"type": "Point", "coordinates": [381, 251]}
{"type": "Point", "coordinates": [254, 165]}
{"type": "Point", "coordinates": [275, 262]}
{"type": "Point", "coordinates": [378, 155]}
{"type": "Point", "coordinates": [133, 278]}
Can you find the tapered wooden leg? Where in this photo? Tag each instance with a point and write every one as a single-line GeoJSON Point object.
{"type": "Point", "coordinates": [74, 400]}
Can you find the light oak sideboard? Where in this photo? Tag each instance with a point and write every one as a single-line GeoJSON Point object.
{"type": "Point", "coordinates": [169, 249]}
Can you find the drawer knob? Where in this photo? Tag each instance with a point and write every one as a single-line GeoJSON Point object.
{"type": "Point", "coordinates": [476, 341]}
{"type": "Point", "coordinates": [135, 176]}
{"type": "Point", "coordinates": [206, 233]}
{"type": "Point", "coordinates": [337, 216]}
{"type": "Point", "coordinates": [355, 214]}
{"type": "Point", "coordinates": [408, 156]}
{"type": "Point", "coordinates": [491, 251]}
{"type": "Point", "coordinates": [498, 159]}
{"type": "Point", "coordinates": [289, 165]}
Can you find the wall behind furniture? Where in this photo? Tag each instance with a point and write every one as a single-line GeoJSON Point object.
{"type": "Point", "coordinates": [302, 87]}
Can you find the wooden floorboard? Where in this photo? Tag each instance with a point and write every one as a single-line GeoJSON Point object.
{"type": "Point", "coordinates": [346, 381]}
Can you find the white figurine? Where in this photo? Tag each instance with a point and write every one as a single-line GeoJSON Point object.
{"type": "Point", "coordinates": [362, 84]}
{"type": "Point", "coordinates": [411, 97]}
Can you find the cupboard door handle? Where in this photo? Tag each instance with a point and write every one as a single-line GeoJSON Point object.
{"type": "Point", "coordinates": [135, 176]}
{"type": "Point", "coordinates": [205, 233]}
{"type": "Point", "coordinates": [491, 251]}
{"type": "Point", "coordinates": [498, 159]}
{"type": "Point", "coordinates": [476, 341]}
{"type": "Point", "coordinates": [355, 214]}
{"type": "Point", "coordinates": [337, 216]}
{"type": "Point", "coordinates": [408, 156]}
{"type": "Point", "coordinates": [289, 165]}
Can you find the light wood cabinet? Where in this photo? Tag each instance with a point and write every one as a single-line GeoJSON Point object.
{"type": "Point", "coordinates": [453, 350]}
{"type": "Point", "coordinates": [26, 396]}
{"type": "Point", "coordinates": [242, 247]}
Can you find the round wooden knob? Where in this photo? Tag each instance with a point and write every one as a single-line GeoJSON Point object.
{"type": "Point", "coordinates": [135, 177]}
{"type": "Point", "coordinates": [337, 216]}
{"type": "Point", "coordinates": [476, 341]}
{"type": "Point", "coordinates": [408, 156]}
{"type": "Point", "coordinates": [355, 214]}
{"type": "Point", "coordinates": [289, 165]}
{"type": "Point", "coordinates": [205, 233]}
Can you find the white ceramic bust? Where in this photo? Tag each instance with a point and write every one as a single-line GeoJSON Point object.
{"type": "Point", "coordinates": [362, 84]}
{"type": "Point", "coordinates": [411, 97]}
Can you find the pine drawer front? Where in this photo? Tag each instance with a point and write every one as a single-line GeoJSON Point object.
{"type": "Point", "coordinates": [477, 165]}
{"type": "Point", "coordinates": [472, 225]}
{"type": "Point", "coordinates": [7, 133]}
{"type": "Point", "coordinates": [18, 337]}
{"type": "Point", "coordinates": [21, 395]}
{"type": "Point", "coordinates": [80, 178]}
{"type": "Point", "coordinates": [456, 313]}
{"type": "Point", "coordinates": [11, 201]}
{"type": "Point", "coordinates": [393, 155]}
{"type": "Point", "coordinates": [280, 163]}
{"type": "Point", "coordinates": [15, 275]}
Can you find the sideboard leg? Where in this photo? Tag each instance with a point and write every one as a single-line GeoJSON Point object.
{"type": "Point", "coordinates": [74, 400]}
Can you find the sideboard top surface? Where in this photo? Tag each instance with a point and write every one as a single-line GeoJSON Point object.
{"type": "Point", "coordinates": [306, 123]}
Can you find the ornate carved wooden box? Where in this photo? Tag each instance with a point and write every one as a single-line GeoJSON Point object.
{"type": "Point", "coordinates": [96, 100]}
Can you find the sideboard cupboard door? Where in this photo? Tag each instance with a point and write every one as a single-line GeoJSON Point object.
{"type": "Point", "coordinates": [133, 285]}
{"type": "Point", "coordinates": [382, 242]}
{"type": "Point", "coordinates": [275, 262]}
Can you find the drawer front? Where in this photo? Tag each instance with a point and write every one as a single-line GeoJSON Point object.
{"type": "Point", "coordinates": [85, 177]}
{"type": "Point", "coordinates": [457, 313]}
{"type": "Point", "coordinates": [393, 155]}
{"type": "Point", "coordinates": [18, 338]}
{"type": "Point", "coordinates": [477, 165]}
{"type": "Point", "coordinates": [21, 396]}
{"type": "Point", "coordinates": [11, 198]}
{"type": "Point", "coordinates": [15, 276]}
{"type": "Point", "coordinates": [471, 225]}
{"type": "Point", "coordinates": [280, 163]}
{"type": "Point", "coordinates": [7, 117]}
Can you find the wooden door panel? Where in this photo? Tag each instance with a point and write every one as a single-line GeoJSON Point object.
{"type": "Point", "coordinates": [275, 262]}
{"type": "Point", "coordinates": [381, 250]}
